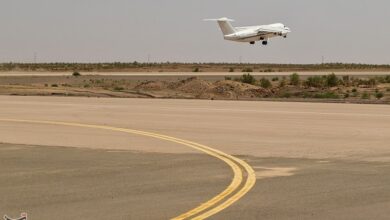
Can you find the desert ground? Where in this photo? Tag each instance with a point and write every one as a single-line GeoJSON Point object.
{"type": "Point", "coordinates": [311, 160]}
{"type": "Point", "coordinates": [346, 87]}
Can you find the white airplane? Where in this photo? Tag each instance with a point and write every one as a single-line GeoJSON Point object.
{"type": "Point", "coordinates": [251, 34]}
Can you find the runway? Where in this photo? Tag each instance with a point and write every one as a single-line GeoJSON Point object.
{"type": "Point", "coordinates": [303, 154]}
{"type": "Point", "coordinates": [212, 74]}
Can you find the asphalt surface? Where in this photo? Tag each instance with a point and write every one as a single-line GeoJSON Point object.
{"type": "Point", "coordinates": [143, 74]}
{"type": "Point", "coordinates": [312, 161]}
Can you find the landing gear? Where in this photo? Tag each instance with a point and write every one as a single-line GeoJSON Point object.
{"type": "Point", "coordinates": [252, 42]}
{"type": "Point", "coordinates": [265, 42]}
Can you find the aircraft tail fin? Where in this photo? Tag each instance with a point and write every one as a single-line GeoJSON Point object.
{"type": "Point", "coordinates": [225, 25]}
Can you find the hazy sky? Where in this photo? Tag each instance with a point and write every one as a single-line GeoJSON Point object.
{"type": "Point", "coordinates": [173, 30]}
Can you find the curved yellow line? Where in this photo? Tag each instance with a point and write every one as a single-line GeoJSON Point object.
{"type": "Point", "coordinates": [228, 159]}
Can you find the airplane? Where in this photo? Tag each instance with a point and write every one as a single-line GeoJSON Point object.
{"type": "Point", "coordinates": [251, 34]}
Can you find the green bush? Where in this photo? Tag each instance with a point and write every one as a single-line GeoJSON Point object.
{"type": "Point", "coordinates": [265, 83]}
{"type": "Point", "coordinates": [54, 85]}
{"type": "Point", "coordinates": [354, 90]}
{"type": "Point", "coordinates": [231, 69]}
{"type": "Point", "coordinates": [269, 70]}
{"type": "Point", "coordinates": [76, 74]}
{"type": "Point", "coordinates": [119, 88]}
{"type": "Point", "coordinates": [248, 78]}
{"type": "Point", "coordinates": [379, 95]}
{"type": "Point", "coordinates": [332, 80]}
{"type": "Point", "coordinates": [365, 95]}
{"type": "Point", "coordinates": [294, 79]}
{"type": "Point", "coordinates": [196, 70]}
{"type": "Point", "coordinates": [275, 79]}
{"type": "Point", "coordinates": [315, 81]}
{"type": "Point", "coordinates": [228, 78]}
{"type": "Point", "coordinates": [387, 78]}
{"type": "Point", "coordinates": [247, 70]}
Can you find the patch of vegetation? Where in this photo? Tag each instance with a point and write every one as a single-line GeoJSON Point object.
{"type": "Point", "coordinates": [54, 85]}
{"type": "Point", "coordinates": [315, 81]}
{"type": "Point", "coordinates": [366, 95]}
{"type": "Point", "coordinates": [332, 80]}
{"type": "Point", "coordinates": [231, 69]}
{"type": "Point", "coordinates": [248, 79]}
{"type": "Point", "coordinates": [379, 95]}
{"type": "Point", "coordinates": [118, 88]}
{"type": "Point", "coordinates": [247, 70]}
{"type": "Point", "coordinates": [294, 79]}
{"type": "Point", "coordinates": [326, 95]}
{"type": "Point", "coordinates": [354, 90]}
{"type": "Point", "coordinates": [285, 95]}
{"type": "Point", "coordinates": [196, 70]}
{"type": "Point", "coordinates": [269, 70]}
{"type": "Point", "coordinates": [265, 83]}
{"type": "Point", "coordinates": [275, 79]}
{"type": "Point", "coordinates": [76, 74]}
{"type": "Point", "coordinates": [228, 78]}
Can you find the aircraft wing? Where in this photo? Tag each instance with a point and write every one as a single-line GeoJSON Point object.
{"type": "Point", "coordinates": [264, 31]}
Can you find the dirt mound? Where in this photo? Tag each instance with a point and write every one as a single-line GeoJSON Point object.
{"type": "Point", "coordinates": [191, 85]}
{"type": "Point", "coordinates": [152, 85]}
{"type": "Point", "coordinates": [233, 89]}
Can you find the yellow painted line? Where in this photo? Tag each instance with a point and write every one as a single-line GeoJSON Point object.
{"type": "Point", "coordinates": [211, 205]}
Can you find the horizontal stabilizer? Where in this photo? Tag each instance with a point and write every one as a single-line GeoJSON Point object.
{"type": "Point", "coordinates": [218, 19]}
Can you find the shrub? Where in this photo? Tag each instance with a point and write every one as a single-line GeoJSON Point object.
{"type": "Point", "coordinates": [286, 95]}
{"type": "Point", "coordinates": [354, 90]}
{"type": "Point", "coordinates": [326, 95]}
{"type": "Point", "coordinates": [265, 83]}
{"type": "Point", "coordinates": [314, 81]}
{"type": "Point", "coordinates": [247, 70]}
{"type": "Point", "coordinates": [228, 78]}
{"type": "Point", "coordinates": [387, 78]}
{"type": "Point", "coordinates": [275, 79]}
{"type": "Point", "coordinates": [294, 79]}
{"type": "Point", "coordinates": [365, 95]}
{"type": "Point", "coordinates": [87, 86]}
{"type": "Point", "coordinates": [118, 88]}
{"type": "Point", "coordinates": [248, 78]}
{"type": "Point", "coordinates": [196, 70]}
{"type": "Point", "coordinates": [76, 74]}
{"type": "Point", "coordinates": [54, 85]}
{"type": "Point", "coordinates": [388, 89]}
{"type": "Point", "coordinates": [231, 69]}
{"type": "Point", "coordinates": [346, 95]}
{"type": "Point", "coordinates": [332, 80]}
{"type": "Point", "coordinates": [379, 95]}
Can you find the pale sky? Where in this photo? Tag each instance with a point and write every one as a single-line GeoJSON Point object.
{"type": "Point", "coordinates": [173, 30]}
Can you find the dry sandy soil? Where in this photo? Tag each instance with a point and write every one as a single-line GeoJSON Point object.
{"type": "Point", "coordinates": [186, 87]}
